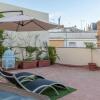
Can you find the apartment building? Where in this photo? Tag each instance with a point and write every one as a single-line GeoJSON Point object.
{"type": "Point", "coordinates": [72, 37]}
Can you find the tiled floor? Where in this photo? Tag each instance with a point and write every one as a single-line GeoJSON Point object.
{"type": "Point", "coordinates": [86, 82]}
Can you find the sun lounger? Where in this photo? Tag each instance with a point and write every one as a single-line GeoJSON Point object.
{"type": "Point", "coordinates": [11, 76]}
{"type": "Point", "coordinates": [30, 82]}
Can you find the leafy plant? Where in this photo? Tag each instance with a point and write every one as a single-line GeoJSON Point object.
{"type": "Point", "coordinates": [1, 15]}
{"type": "Point", "coordinates": [1, 32]}
{"type": "Point", "coordinates": [52, 54]}
{"type": "Point", "coordinates": [42, 52]}
{"type": "Point", "coordinates": [30, 51]}
{"type": "Point", "coordinates": [46, 57]}
{"type": "Point", "coordinates": [39, 52]}
{"type": "Point", "coordinates": [2, 48]}
{"type": "Point", "coordinates": [1, 37]}
{"type": "Point", "coordinates": [91, 46]}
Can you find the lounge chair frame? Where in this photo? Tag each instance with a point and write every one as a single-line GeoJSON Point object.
{"type": "Point", "coordinates": [19, 84]}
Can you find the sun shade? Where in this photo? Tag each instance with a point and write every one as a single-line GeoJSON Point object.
{"type": "Point", "coordinates": [25, 23]}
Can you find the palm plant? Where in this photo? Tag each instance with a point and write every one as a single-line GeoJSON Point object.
{"type": "Point", "coordinates": [30, 51]}
{"type": "Point", "coordinates": [52, 55]}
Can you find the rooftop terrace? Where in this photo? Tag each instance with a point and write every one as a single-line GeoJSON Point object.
{"type": "Point", "coordinates": [86, 82]}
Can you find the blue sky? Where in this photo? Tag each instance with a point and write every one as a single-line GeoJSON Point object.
{"type": "Point", "coordinates": [72, 12]}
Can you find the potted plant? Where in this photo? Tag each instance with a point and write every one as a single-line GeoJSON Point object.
{"type": "Point", "coordinates": [44, 61]}
{"type": "Point", "coordinates": [42, 57]}
{"type": "Point", "coordinates": [52, 55]}
{"type": "Point", "coordinates": [18, 62]}
{"type": "Point", "coordinates": [91, 46]}
{"type": "Point", "coordinates": [29, 62]}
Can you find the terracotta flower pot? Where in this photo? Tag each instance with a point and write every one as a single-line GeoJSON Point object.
{"type": "Point", "coordinates": [43, 63]}
{"type": "Point", "coordinates": [18, 64]}
{"type": "Point", "coordinates": [92, 66]}
{"type": "Point", "coordinates": [28, 64]}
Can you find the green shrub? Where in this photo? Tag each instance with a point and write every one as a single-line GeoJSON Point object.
{"type": "Point", "coordinates": [90, 45]}
{"type": "Point", "coordinates": [52, 54]}
{"type": "Point", "coordinates": [2, 50]}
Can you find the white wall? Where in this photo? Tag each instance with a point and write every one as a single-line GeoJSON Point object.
{"type": "Point", "coordinates": [77, 56]}
{"type": "Point", "coordinates": [23, 39]}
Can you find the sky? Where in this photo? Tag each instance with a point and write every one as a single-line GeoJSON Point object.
{"type": "Point", "coordinates": [72, 12]}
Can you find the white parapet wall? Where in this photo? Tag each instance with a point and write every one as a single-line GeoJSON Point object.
{"type": "Point", "coordinates": [77, 56]}
{"type": "Point", "coordinates": [23, 39]}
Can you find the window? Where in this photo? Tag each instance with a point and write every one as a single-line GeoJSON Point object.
{"type": "Point", "coordinates": [72, 44]}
